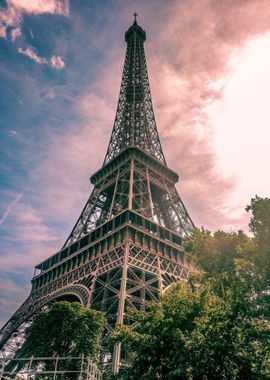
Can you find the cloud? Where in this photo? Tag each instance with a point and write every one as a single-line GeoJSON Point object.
{"type": "Point", "coordinates": [77, 153]}
{"type": "Point", "coordinates": [28, 52]}
{"type": "Point", "coordinates": [31, 240]}
{"type": "Point", "coordinates": [12, 133]}
{"type": "Point", "coordinates": [50, 94]}
{"type": "Point", "coordinates": [11, 294]}
{"type": "Point", "coordinates": [191, 58]}
{"type": "Point", "coordinates": [30, 225]}
{"type": "Point", "coordinates": [11, 205]}
{"type": "Point", "coordinates": [40, 6]}
{"type": "Point", "coordinates": [15, 33]}
{"type": "Point", "coordinates": [11, 15]}
{"type": "Point", "coordinates": [34, 236]}
{"type": "Point", "coordinates": [55, 62]}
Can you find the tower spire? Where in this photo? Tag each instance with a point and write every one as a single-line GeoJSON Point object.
{"type": "Point", "coordinates": [135, 124]}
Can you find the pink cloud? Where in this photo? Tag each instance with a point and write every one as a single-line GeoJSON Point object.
{"type": "Point", "coordinates": [30, 226]}
{"type": "Point", "coordinates": [39, 6]}
{"type": "Point", "coordinates": [71, 158]}
{"type": "Point", "coordinates": [28, 52]}
{"type": "Point", "coordinates": [36, 239]}
{"type": "Point", "coordinates": [55, 62]}
{"type": "Point", "coordinates": [60, 189]}
{"type": "Point", "coordinates": [11, 15]}
{"type": "Point", "coordinates": [15, 33]}
{"type": "Point", "coordinates": [189, 61]}
{"type": "Point", "coordinates": [9, 18]}
{"type": "Point", "coordinates": [11, 295]}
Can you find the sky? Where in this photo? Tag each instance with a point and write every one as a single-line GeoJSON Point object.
{"type": "Point", "coordinates": [61, 63]}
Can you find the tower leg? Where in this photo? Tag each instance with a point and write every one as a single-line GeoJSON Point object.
{"type": "Point", "coordinates": [121, 308]}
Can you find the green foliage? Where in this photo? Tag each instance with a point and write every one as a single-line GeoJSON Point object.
{"type": "Point", "coordinates": [218, 325]}
{"type": "Point", "coordinates": [260, 226]}
{"type": "Point", "coordinates": [66, 329]}
{"type": "Point", "coordinates": [207, 328]}
{"type": "Point", "coordinates": [110, 376]}
{"type": "Point", "coordinates": [260, 220]}
{"type": "Point", "coordinates": [215, 253]}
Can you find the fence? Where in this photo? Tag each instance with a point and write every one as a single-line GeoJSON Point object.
{"type": "Point", "coordinates": [49, 368]}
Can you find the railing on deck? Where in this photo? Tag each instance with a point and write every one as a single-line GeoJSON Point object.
{"type": "Point", "coordinates": [49, 368]}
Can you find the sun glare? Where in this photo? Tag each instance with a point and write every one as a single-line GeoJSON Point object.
{"type": "Point", "coordinates": [242, 121]}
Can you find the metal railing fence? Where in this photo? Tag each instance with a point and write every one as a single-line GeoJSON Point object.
{"type": "Point", "coordinates": [49, 368]}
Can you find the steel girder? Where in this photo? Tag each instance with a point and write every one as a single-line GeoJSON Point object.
{"type": "Point", "coordinates": [135, 186]}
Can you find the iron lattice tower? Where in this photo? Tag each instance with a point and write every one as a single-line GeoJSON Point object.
{"type": "Point", "coordinates": [125, 249]}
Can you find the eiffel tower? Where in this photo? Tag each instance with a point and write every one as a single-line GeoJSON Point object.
{"type": "Point", "coordinates": [125, 249]}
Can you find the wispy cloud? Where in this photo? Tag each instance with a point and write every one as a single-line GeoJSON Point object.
{"type": "Point", "coordinates": [32, 55]}
{"type": "Point", "coordinates": [78, 153]}
{"type": "Point", "coordinates": [30, 225]}
{"type": "Point", "coordinates": [12, 133]}
{"type": "Point", "coordinates": [55, 62]}
{"type": "Point", "coordinates": [11, 15]}
{"type": "Point", "coordinates": [30, 240]}
{"type": "Point", "coordinates": [33, 237]}
{"type": "Point", "coordinates": [10, 207]}
{"type": "Point", "coordinates": [10, 295]}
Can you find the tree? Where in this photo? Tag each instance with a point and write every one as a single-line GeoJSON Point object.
{"type": "Point", "coordinates": [216, 326]}
{"type": "Point", "coordinates": [65, 329]}
{"type": "Point", "coordinates": [208, 328]}
{"type": "Point", "coordinates": [260, 219]}
{"type": "Point", "coordinates": [215, 253]}
{"type": "Point", "coordinates": [260, 226]}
